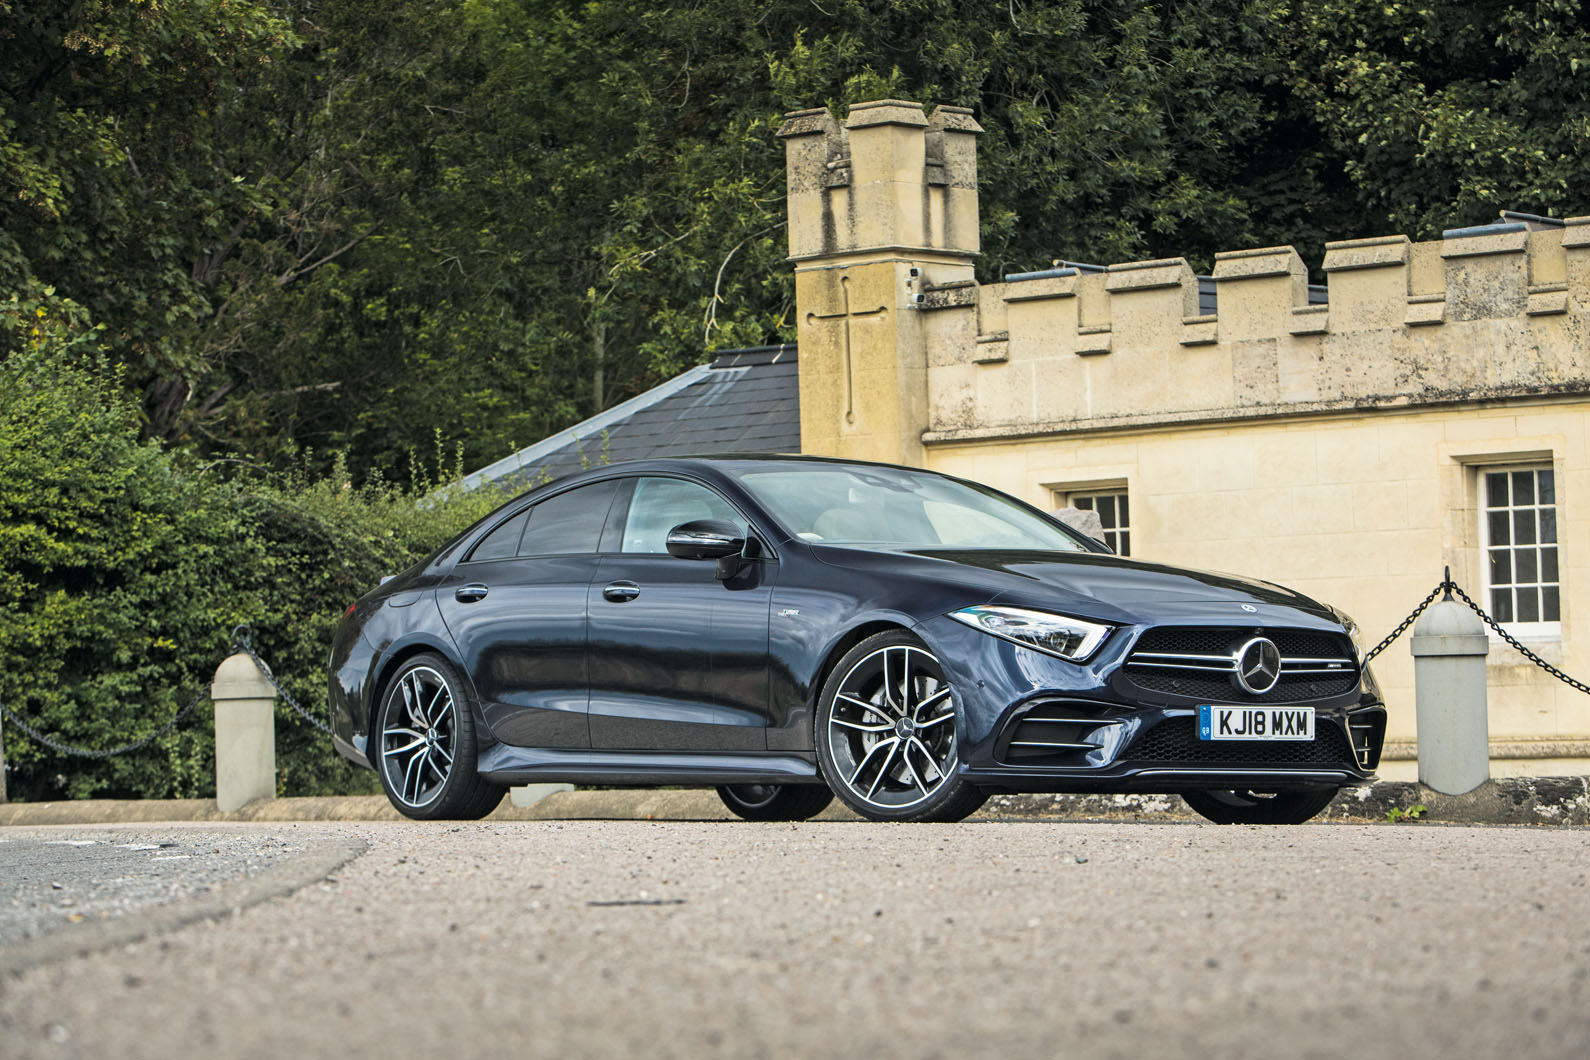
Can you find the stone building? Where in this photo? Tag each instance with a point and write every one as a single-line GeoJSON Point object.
{"type": "Point", "coordinates": [1427, 408]}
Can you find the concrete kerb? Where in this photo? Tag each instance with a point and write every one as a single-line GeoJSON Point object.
{"type": "Point", "coordinates": [1510, 801]}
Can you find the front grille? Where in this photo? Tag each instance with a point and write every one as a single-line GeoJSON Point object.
{"type": "Point", "coordinates": [1175, 740]}
{"type": "Point", "coordinates": [1199, 662]}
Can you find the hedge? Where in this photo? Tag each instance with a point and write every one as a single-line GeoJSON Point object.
{"type": "Point", "coordinates": [124, 567]}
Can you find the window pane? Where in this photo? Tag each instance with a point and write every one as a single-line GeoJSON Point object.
{"type": "Point", "coordinates": [1496, 489]}
{"type": "Point", "coordinates": [1502, 605]}
{"type": "Point", "coordinates": [1528, 605]}
{"type": "Point", "coordinates": [1548, 565]}
{"type": "Point", "coordinates": [568, 523]}
{"type": "Point", "coordinates": [1125, 518]}
{"type": "Point", "coordinates": [1524, 527]}
{"type": "Point", "coordinates": [1501, 567]}
{"type": "Point", "coordinates": [1498, 526]}
{"type": "Point", "coordinates": [1085, 503]}
{"type": "Point", "coordinates": [1523, 487]}
{"type": "Point", "coordinates": [1548, 486]}
{"type": "Point", "coordinates": [1524, 561]}
{"type": "Point", "coordinates": [502, 542]}
{"type": "Point", "coordinates": [1551, 605]}
{"type": "Point", "coordinates": [1126, 544]}
{"type": "Point", "coordinates": [1548, 525]}
{"type": "Point", "coordinates": [661, 504]}
{"type": "Point", "coordinates": [1107, 513]}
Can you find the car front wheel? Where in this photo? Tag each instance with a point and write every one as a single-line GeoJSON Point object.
{"type": "Point", "coordinates": [885, 734]}
{"type": "Point", "coordinates": [1253, 807]}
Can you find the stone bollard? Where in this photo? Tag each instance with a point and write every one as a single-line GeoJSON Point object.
{"type": "Point", "coordinates": [1449, 646]}
{"type": "Point", "coordinates": [245, 733]}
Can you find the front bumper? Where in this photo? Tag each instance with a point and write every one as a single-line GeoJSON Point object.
{"type": "Point", "coordinates": [1126, 739]}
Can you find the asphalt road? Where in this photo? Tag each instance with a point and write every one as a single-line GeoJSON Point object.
{"type": "Point", "coordinates": [989, 938]}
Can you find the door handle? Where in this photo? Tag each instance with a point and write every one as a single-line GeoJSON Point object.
{"type": "Point", "coordinates": [468, 594]}
{"type": "Point", "coordinates": [619, 592]}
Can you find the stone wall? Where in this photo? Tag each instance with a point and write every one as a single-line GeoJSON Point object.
{"type": "Point", "coordinates": [1484, 314]}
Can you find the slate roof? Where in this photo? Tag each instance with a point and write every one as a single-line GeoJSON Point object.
{"type": "Point", "coordinates": [745, 401]}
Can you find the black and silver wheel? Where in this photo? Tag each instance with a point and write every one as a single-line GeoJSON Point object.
{"type": "Point", "coordinates": [425, 745]}
{"type": "Point", "coordinates": [885, 734]}
{"type": "Point", "coordinates": [775, 802]}
{"type": "Point", "coordinates": [1239, 806]}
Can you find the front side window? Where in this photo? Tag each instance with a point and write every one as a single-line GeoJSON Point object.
{"type": "Point", "coordinates": [1518, 527]}
{"type": "Point", "coordinates": [570, 523]}
{"type": "Point", "coordinates": [660, 504]}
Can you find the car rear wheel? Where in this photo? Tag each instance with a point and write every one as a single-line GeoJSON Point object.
{"type": "Point", "coordinates": [1254, 807]}
{"type": "Point", "coordinates": [425, 746]}
{"type": "Point", "coordinates": [885, 734]}
{"type": "Point", "coordinates": [775, 802]}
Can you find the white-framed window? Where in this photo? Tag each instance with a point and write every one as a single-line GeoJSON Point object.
{"type": "Point", "coordinates": [1114, 514]}
{"type": "Point", "coordinates": [1518, 533]}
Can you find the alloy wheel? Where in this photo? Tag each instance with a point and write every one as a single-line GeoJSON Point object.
{"type": "Point", "coordinates": [419, 737]}
{"type": "Point", "coordinates": [891, 729]}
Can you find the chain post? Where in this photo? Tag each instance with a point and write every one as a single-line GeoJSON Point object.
{"type": "Point", "coordinates": [3, 798]}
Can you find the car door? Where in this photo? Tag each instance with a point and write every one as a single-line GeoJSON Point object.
{"type": "Point", "coordinates": [678, 658]}
{"type": "Point", "coordinates": [516, 609]}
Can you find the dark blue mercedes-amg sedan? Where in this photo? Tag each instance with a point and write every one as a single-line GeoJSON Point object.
{"type": "Point", "coordinates": [791, 628]}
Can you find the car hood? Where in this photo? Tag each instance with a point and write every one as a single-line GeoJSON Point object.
{"type": "Point", "coordinates": [1091, 585]}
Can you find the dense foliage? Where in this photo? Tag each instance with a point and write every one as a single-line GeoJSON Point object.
{"type": "Point", "coordinates": [123, 569]}
{"type": "Point", "coordinates": [342, 224]}
{"type": "Point", "coordinates": [312, 234]}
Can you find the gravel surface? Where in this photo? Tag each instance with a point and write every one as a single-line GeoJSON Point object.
{"type": "Point", "coordinates": [989, 938]}
{"type": "Point", "coordinates": [49, 880]}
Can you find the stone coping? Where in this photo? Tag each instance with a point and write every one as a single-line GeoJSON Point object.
{"type": "Point", "coordinates": [1508, 801]}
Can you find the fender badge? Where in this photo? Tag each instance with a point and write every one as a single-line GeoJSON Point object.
{"type": "Point", "coordinates": [789, 612]}
{"type": "Point", "coordinates": [1250, 609]}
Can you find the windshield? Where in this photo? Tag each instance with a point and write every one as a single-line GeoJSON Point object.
{"type": "Point", "coordinates": [895, 508]}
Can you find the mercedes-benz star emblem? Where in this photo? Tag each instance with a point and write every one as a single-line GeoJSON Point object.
{"type": "Point", "coordinates": [1258, 666]}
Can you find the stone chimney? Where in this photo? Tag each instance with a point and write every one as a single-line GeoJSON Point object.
{"type": "Point", "coordinates": [882, 218]}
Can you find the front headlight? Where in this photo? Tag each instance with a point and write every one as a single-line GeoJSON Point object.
{"type": "Point", "coordinates": [1069, 638]}
{"type": "Point", "coordinates": [1352, 631]}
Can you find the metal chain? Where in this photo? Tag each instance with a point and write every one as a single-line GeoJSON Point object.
{"type": "Point", "coordinates": [1403, 626]}
{"type": "Point", "coordinates": [1509, 638]}
{"type": "Point", "coordinates": [88, 752]}
{"type": "Point", "coordinates": [240, 642]}
{"type": "Point", "coordinates": [1449, 587]}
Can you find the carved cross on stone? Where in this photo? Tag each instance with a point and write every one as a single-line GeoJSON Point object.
{"type": "Point", "coordinates": [847, 315]}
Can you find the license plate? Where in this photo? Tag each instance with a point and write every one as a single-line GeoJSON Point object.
{"type": "Point", "coordinates": [1255, 723]}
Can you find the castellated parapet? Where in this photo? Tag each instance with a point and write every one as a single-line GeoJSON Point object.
{"type": "Point", "coordinates": [901, 347]}
{"type": "Point", "coordinates": [1493, 312]}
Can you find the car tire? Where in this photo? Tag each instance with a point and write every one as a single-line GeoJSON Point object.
{"type": "Point", "coordinates": [1249, 807]}
{"type": "Point", "coordinates": [775, 802]}
{"type": "Point", "coordinates": [886, 733]}
{"type": "Point", "coordinates": [424, 745]}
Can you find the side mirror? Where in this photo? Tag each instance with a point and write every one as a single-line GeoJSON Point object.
{"type": "Point", "coordinates": [711, 539]}
{"type": "Point", "coordinates": [706, 539]}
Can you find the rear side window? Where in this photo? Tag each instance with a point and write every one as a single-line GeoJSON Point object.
{"type": "Point", "coordinates": [503, 542]}
{"type": "Point", "coordinates": [568, 523]}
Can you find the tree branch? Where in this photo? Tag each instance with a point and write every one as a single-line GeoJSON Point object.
{"type": "Point", "coordinates": [297, 274]}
